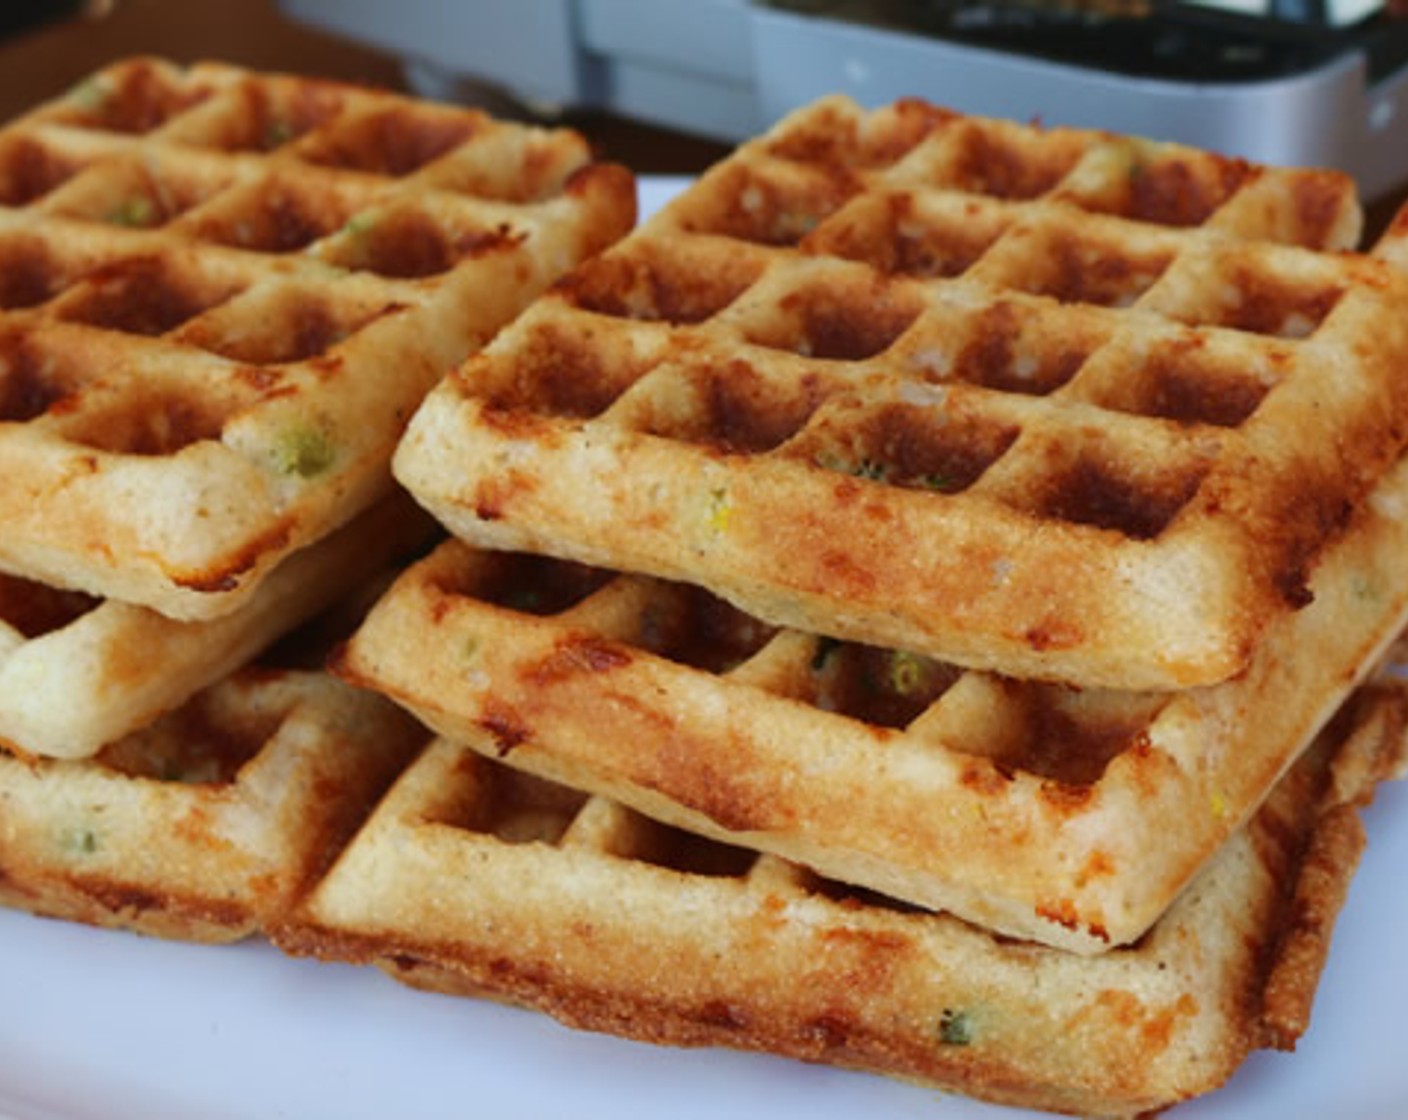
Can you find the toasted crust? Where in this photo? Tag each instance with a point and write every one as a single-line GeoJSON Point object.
{"type": "Point", "coordinates": [78, 673]}
{"type": "Point", "coordinates": [1050, 403]}
{"type": "Point", "coordinates": [474, 879]}
{"type": "Point", "coordinates": [224, 294]}
{"type": "Point", "coordinates": [206, 825]}
{"type": "Point", "coordinates": [1110, 433]}
{"type": "Point", "coordinates": [1068, 816]}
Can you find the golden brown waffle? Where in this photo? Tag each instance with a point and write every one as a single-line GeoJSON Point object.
{"type": "Point", "coordinates": [1052, 403]}
{"type": "Point", "coordinates": [1068, 816]}
{"type": "Point", "coordinates": [474, 879]}
{"type": "Point", "coordinates": [77, 673]}
{"type": "Point", "coordinates": [221, 295]}
{"type": "Point", "coordinates": [207, 824]}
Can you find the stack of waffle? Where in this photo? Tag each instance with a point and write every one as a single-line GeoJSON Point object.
{"type": "Point", "coordinates": [898, 604]}
{"type": "Point", "coordinates": [222, 294]}
{"type": "Point", "coordinates": [917, 603]}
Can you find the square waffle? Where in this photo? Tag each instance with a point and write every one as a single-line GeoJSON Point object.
{"type": "Point", "coordinates": [221, 295]}
{"type": "Point", "coordinates": [205, 825]}
{"type": "Point", "coordinates": [1069, 816]}
{"type": "Point", "coordinates": [1051, 403]}
{"type": "Point", "coordinates": [77, 672]}
{"type": "Point", "coordinates": [474, 879]}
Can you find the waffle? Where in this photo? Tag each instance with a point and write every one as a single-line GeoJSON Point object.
{"type": "Point", "coordinates": [205, 825]}
{"type": "Point", "coordinates": [221, 295]}
{"type": "Point", "coordinates": [475, 879]}
{"type": "Point", "coordinates": [77, 673]}
{"type": "Point", "coordinates": [1050, 403]}
{"type": "Point", "coordinates": [1064, 815]}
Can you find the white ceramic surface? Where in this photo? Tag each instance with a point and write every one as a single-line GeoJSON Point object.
{"type": "Point", "coordinates": [108, 1026]}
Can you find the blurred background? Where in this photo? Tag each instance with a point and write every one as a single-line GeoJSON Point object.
{"type": "Point", "coordinates": [46, 47]}
{"type": "Point", "coordinates": [668, 85]}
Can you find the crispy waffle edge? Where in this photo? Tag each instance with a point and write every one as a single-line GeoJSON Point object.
{"type": "Point", "coordinates": [207, 825]}
{"type": "Point", "coordinates": [1232, 968]}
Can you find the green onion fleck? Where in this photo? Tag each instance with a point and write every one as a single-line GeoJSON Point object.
{"type": "Point", "coordinates": [525, 599]}
{"type": "Point", "coordinates": [305, 451]}
{"type": "Point", "coordinates": [907, 673]}
{"type": "Point", "coordinates": [90, 95]}
{"type": "Point", "coordinates": [278, 133]}
{"type": "Point", "coordinates": [80, 840]}
{"type": "Point", "coordinates": [720, 512]}
{"type": "Point", "coordinates": [138, 211]}
{"type": "Point", "coordinates": [359, 224]}
{"type": "Point", "coordinates": [825, 647]}
{"type": "Point", "coordinates": [955, 1028]}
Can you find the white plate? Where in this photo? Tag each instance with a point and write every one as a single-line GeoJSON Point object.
{"type": "Point", "coordinates": [100, 1026]}
{"type": "Point", "coordinates": [107, 1026]}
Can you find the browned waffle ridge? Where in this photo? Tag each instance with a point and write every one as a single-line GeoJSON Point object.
{"type": "Point", "coordinates": [223, 293]}
{"type": "Point", "coordinates": [1052, 403]}
{"type": "Point", "coordinates": [475, 879]}
{"type": "Point", "coordinates": [77, 672]}
{"type": "Point", "coordinates": [207, 824]}
{"type": "Point", "coordinates": [1071, 816]}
